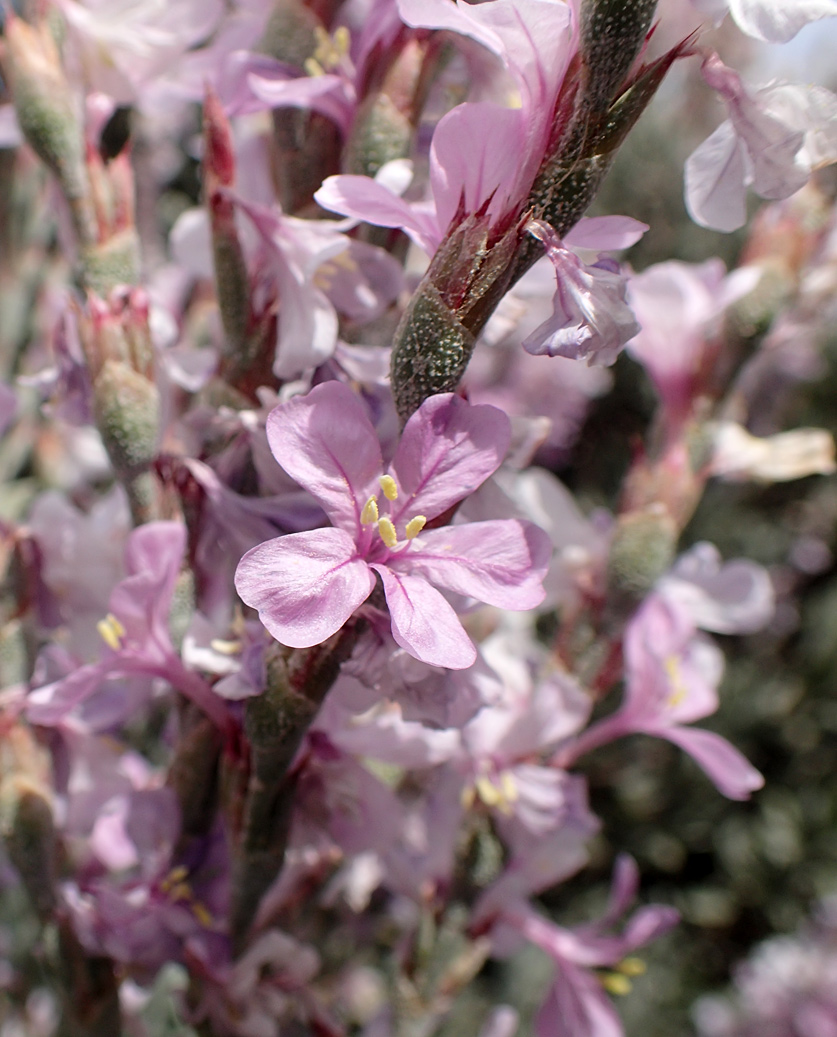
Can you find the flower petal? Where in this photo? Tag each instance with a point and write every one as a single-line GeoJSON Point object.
{"type": "Point", "coordinates": [423, 622]}
{"type": "Point", "coordinates": [501, 562]}
{"type": "Point", "coordinates": [304, 585]}
{"type": "Point", "coordinates": [715, 176]}
{"type": "Point", "coordinates": [732, 773]}
{"type": "Point", "coordinates": [327, 444]}
{"type": "Point", "coordinates": [448, 449]}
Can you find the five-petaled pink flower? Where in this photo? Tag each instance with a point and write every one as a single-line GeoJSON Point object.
{"type": "Point", "coordinates": [306, 585]}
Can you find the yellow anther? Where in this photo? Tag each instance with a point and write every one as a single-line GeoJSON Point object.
{"type": "Point", "coordinates": [174, 879]}
{"type": "Point", "coordinates": [615, 983]}
{"type": "Point", "coordinates": [488, 793]}
{"type": "Point", "coordinates": [387, 531]}
{"type": "Point", "coordinates": [370, 512]}
{"type": "Point", "coordinates": [678, 688]}
{"type": "Point", "coordinates": [415, 526]}
{"type": "Point", "coordinates": [313, 67]}
{"type": "Point", "coordinates": [202, 914]}
{"type": "Point", "coordinates": [468, 796]}
{"type": "Point", "coordinates": [111, 631]}
{"type": "Point", "coordinates": [330, 50]}
{"type": "Point", "coordinates": [223, 647]}
{"type": "Point", "coordinates": [509, 787]}
{"type": "Point", "coordinates": [632, 967]}
{"type": "Point", "coordinates": [389, 486]}
{"type": "Point", "coordinates": [342, 40]}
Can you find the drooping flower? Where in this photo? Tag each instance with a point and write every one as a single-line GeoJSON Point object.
{"type": "Point", "coordinates": [591, 319]}
{"type": "Point", "coordinates": [306, 585]}
{"type": "Point", "coordinates": [483, 154]}
{"type": "Point", "coordinates": [679, 306]}
{"type": "Point", "coordinates": [774, 21]}
{"type": "Point", "coordinates": [773, 140]}
{"type": "Point", "coordinates": [577, 1004]}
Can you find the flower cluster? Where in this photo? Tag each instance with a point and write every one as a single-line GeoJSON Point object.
{"type": "Point", "coordinates": [305, 648]}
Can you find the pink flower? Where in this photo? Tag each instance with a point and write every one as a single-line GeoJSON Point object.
{"type": "Point", "coordinates": [591, 319]}
{"type": "Point", "coordinates": [483, 155]}
{"type": "Point", "coordinates": [136, 631]}
{"type": "Point", "coordinates": [774, 138]}
{"type": "Point", "coordinates": [774, 21]}
{"type": "Point", "coordinates": [672, 675]}
{"type": "Point", "coordinates": [679, 306]}
{"type": "Point", "coordinates": [576, 1004]}
{"type": "Point", "coordinates": [306, 585]}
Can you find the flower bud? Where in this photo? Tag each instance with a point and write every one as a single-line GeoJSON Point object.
{"type": "Point", "coordinates": [612, 34]}
{"type": "Point", "coordinates": [641, 550]}
{"type": "Point", "coordinates": [385, 120]}
{"type": "Point", "coordinates": [47, 115]}
{"type": "Point", "coordinates": [114, 262]}
{"type": "Point", "coordinates": [26, 816]}
{"type": "Point", "coordinates": [127, 408]}
{"type": "Point", "coordinates": [432, 349]}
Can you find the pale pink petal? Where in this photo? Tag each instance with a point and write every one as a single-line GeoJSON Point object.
{"type": "Point", "coordinates": [326, 442]}
{"type": "Point", "coordinates": [605, 233]}
{"type": "Point", "coordinates": [577, 1006]}
{"type": "Point", "coordinates": [423, 622]}
{"type": "Point", "coordinates": [732, 773]}
{"type": "Point", "coordinates": [777, 21]}
{"type": "Point", "coordinates": [328, 94]}
{"type": "Point", "coordinates": [475, 158]}
{"type": "Point", "coordinates": [142, 600]}
{"type": "Point", "coordinates": [448, 449]}
{"type": "Point", "coordinates": [366, 199]}
{"type": "Point", "coordinates": [304, 585]}
{"type": "Point", "coordinates": [501, 562]}
{"type": "Point", "coordinates": [716, 175]}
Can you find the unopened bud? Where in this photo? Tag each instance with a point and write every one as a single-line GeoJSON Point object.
{"type": "Point", "coordinates": [31, 844]}
{"type": "Point", "coordinates": [26, 821]}
{"type": "Point", "coordinates": [47, 115]}
{"type": "Point", "coordinates": [219, 151]}
{"type": "Point", "coordinates": [290, 32]}
{"type": "Point", "coordinates": [432, 349]}
{"type": "Point", "coordinates": [114, 262]}
{"type": "Point", "coordinates": [127, 407]}
{"type": "Point", "coordinates": [612, 34]}
{"type": "Point", "coordinates": [380, 133]}
{"type": "Point", "coordinates": [641, 550]}
{"type": "Point", "coordinates": [383, 126]}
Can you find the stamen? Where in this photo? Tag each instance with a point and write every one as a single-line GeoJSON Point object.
{"type": "Point", "coordinates": [632, 967]}
{"type": "Point", "coordinates": [313, 67]}
{"type": "Point", "coordinates": [679, 691]}
{"type": "Point", "coordinates": [387, 531]}
{"type": "Point", "coordinates": [488, 793]}
{"type": "Point", "coordinates": [223, 647]}
{"type": "Point", "coordinates": [370, 512]}
{"type": "Point", "coordinates": [415, 526]}
{"type": "Point", "coordinates": [509, 787]}
{"type": "Point", "coordinates": [614, 983]}
{"type": "Point", "coordinates": [202, 914]}
{"type": "Point", "coordinates": [388, 485]}
{"type": "Point", "coordinates": [111, 631]}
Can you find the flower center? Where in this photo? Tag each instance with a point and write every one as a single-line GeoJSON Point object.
{"type": "Point", "coordinates": [371, 515]}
